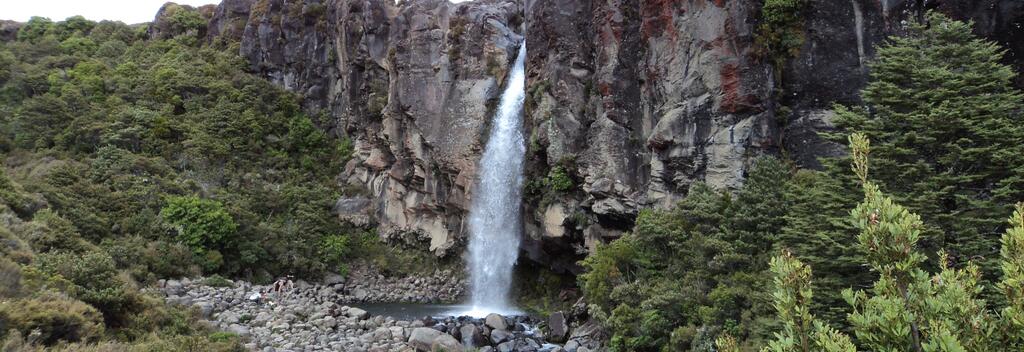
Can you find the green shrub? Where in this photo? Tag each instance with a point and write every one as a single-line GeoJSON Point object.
{"type": "Point", "coordinates": [201, 224]}
{"type": "Point", "coordinates": [335, 251]}
{"type": "Point", "coordinates": [558, 180]}
{"type": "Point", "coordinates": [217, 281]}
{"type": "Point", "coordinates": [34, 29]}
{"type": "Point", "coordinates": [95, 279]}
{"type": "Point", "coordinates": [51, 232]}
{"type": "Point", "coordinates": [781, 32]}
{"type": "Point", "coordinates": [165, 259]}
{"type": "Point", "coordinates": [57, 319]}
{"type": "Point", "coordinates": [10, 278]}
{"type": "Point", "coordinates": [184, 20]}
{"type": "Point", "coordinates": [222, 336]}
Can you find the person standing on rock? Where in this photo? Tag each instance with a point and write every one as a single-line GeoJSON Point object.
{"type": "Point", "coordinates": [288, 286]}
{"type": "Point", "coordinates": [278, 284]}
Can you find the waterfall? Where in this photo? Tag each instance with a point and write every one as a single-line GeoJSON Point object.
{"type": "Point", "coordinates": [494, 222]}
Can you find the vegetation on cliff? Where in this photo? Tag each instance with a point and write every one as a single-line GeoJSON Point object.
{"type": "Point", "coordinates": [946, 124]}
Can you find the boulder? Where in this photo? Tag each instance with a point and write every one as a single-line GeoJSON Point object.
{"type": "Point", "coordinates": [558, 327]}
{"type": "Point", "coordinates": [496, 321]}
{"type": "Point", "coordinates": [205, 309]}
{"type": "Point", "coordinates": [174, 287]}
{"type": "Point", "coordinates": [239, 330]}
{"type": "Point", "coordinates": [422, 339]}
{"type": "Point", "coordinates": [446, 343]}
{"type": "Point", "coordinates": [332, 278]}
{"type": "Point", "coordinates": [358, 313]}
{"type": "Point", "coordinates": [554, 221]}
{"type": "Point", "coordinates": [471, 335]}
{"type": "Point", "coordinates": [498, 336]}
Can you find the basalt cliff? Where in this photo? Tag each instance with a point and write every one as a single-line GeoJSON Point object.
{"type": "Point", "coordinates": [631, 101]}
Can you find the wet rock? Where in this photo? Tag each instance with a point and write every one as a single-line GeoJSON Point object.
{"type": "Point", "coordinates": [471, 335]}
{"type": "Point", "coordinates": [423, 338]}
{"type": "Point", "coordinates": [498, 336]}
{"type": "Point", "coordinates": [558, 327]}
{"type": "Point", "coordinates": [496, 321]}
{"type": "Point", "coordinates": [446, 343]}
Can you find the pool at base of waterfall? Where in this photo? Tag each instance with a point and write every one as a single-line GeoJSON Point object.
{"type": "Point", "coordinates": [413, 311]}
{"type": "Point", "coordinates": [520, 331]}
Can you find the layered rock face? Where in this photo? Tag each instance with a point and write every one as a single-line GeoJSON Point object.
{"type": "Point", "coordinates": [412, 86]}
{"type": "Point", "coordinates": [635, 100]}
{"type": "Point", "coordinates": [646, 98]}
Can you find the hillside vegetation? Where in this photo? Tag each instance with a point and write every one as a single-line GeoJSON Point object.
{"type": "Point", "coordinates": [127, 159]}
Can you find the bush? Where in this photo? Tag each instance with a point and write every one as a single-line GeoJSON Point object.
{"type": "Point", "coordinates": [57, 319]}
{"type": "Point", "coordinates": [217, 281]}
{"type": "Point", "coordinates": [201, 224]}
{"type": "Point", "coordinates": [95, 279]}
{"type": "Point", "coordinates": [781, 32]}
{"type": "Point", "coordinates": [10, 278]}
{"type": "Point", "coordinates": [51, 232]}
{"type": "Point", "coordinates": [558, 180]}
{"type": "Point", "coordinates": [335, 250]}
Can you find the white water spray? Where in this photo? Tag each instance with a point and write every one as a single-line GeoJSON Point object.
{"type": "Point", "coordinates": [494, 222]}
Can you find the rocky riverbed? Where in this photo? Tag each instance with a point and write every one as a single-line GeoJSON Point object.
{"type": "Point", "coordinates": [316, 317]}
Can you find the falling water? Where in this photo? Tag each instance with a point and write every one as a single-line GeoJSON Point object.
{"type": "Point", "coordinates": [494, 222]}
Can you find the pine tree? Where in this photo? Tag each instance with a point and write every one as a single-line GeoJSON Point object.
{"type": "Point", "coordinates": [818, 232]}
{"type": "Point", "coordinates": [945, 119]}
{"type": "Point", "coordinates": [906, 309]}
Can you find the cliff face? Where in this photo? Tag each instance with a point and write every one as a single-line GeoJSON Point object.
{"type": "Point", "coordinates": [411, 86]}
{"type": "Point", "coordinates": [635, 99]}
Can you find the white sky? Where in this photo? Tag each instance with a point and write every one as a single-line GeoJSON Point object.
{"type": "Point", "coordinates": [127, 11]}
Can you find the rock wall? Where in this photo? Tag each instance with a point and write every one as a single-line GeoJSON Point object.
{"type": "Point", "coordinates": [635, 99]}
{"type": "Point", "coordinates": [412, 86]}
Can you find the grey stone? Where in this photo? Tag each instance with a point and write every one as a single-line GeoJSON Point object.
{"type": "Point", "coordinates": [446, 343]}
{"type": "Point", "coordinates": [239, 330]}
{"type": "Point", "coordinates": [358, 313]}
{"type": "Point", "coordinates": [558, 327]}
{"type": "Point", "coordinates": [332, 279]}
{"type": "Point", "coordinates": [471, 335]}
{"type": "Point", "coordinates": [423, 338]}
{"type": "Point", "coordinates": [205, 309]}
{"type": "Point", "coordinates": [496, 321]}
{"type": "Point", "coordinates": [498, 336]}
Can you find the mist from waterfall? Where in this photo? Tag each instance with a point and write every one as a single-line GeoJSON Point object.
{"type": "Point", "coordinates": [494, 219]}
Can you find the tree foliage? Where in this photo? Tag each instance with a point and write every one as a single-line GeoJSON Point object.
{"type": "Point", "coordinates": [694, 271]}
{"type": "Point", "coordinates": [906, 309]}
{"type": "Point", "coordinates": [945, 119]}
{"type": "Point", "coordinates": [202, 224]}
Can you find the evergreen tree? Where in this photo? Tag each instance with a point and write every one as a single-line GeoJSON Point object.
{"type": "Point", "coordinates": [906, 309]}
{"type": "Point", "coordinates": [818, 232]}
{"type": "Point", "coordinates": [945, 119]}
